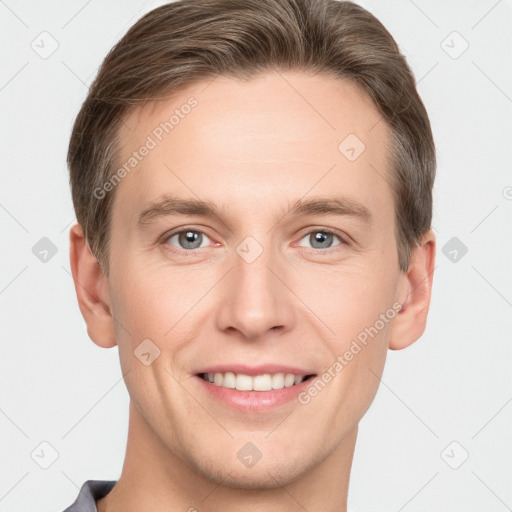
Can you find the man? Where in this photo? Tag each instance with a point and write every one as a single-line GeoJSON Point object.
{"type": "Point", "coordinates": [253, 188]}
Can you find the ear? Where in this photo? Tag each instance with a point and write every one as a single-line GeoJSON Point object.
{"type": "Point", "coordinates": [91, 286]}
{"type": "Point", "coordinates": [414, 294]}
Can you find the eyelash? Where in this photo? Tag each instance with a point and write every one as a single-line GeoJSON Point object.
{"type": "Point", "coordinates": [170, 248]}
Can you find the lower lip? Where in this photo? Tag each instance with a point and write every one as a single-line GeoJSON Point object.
{"type": "Point", "coordinates": [254, 401]}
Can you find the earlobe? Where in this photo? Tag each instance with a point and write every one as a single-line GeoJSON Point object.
{"type": "Point", "coordinates": [410, 322]}
{"type": "Point", "coordinates": [91, 290]}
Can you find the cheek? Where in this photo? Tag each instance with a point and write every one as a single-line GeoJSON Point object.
{"type": "Point", "coordinates": [348, 299]}
{"type": "Point", "coordinates": [356, 308]}
{"type": "Point", "coordinates": [152, 300]}
{"type": "Point", "coordinates": [159, 304]}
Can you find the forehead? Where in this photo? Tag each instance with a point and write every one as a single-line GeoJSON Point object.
{"type": "Point", "coordinates": [288, 131]}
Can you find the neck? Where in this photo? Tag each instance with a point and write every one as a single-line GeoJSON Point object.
{"type": "Point", "coordinates": [154, 478]}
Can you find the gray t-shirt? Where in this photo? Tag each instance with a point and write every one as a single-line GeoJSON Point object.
{"type": "Point", "coordinates": [91, 491]}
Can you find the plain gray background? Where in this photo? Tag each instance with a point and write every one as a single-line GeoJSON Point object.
{"type": "Point", "coordinates": [438, 435]}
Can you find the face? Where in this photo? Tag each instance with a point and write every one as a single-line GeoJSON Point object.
{"type": "Point", "coordinates": [289, 260]}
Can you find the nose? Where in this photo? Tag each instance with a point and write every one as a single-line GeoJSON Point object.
{"type": "Point", "coordinates": [256, 298]}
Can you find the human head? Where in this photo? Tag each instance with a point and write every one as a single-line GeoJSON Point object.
{"type": "Point", "coordinates": [255, 140]}
{"type": "Point", "coordinates": [183, 42]}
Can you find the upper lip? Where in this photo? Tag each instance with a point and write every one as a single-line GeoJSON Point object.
{"type": "Point", "coordinates": [255, 370]}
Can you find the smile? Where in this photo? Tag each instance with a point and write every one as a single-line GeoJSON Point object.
{"type": "Point", "coordinates": [258, 393]}
{"type": "Point", "coordinates": [264, 382]}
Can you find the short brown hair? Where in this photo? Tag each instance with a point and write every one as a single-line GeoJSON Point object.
{"type": "Point", "coordinates": [191, 40]}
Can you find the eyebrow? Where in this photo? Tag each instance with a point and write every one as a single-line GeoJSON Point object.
{"type": "Point", "coordinates": [339, 206]}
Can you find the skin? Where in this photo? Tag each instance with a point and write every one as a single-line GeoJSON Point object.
{"type": "Point", "coordinates": [252, 148]}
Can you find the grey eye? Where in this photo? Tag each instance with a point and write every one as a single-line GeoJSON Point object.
{"type": "Point", "coordinates": [189, 239]}
{"type": "Point", "coordinates": [321, 239]}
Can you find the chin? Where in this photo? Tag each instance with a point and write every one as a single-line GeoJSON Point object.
{"type": "Point", "coordinates": [269, 474]}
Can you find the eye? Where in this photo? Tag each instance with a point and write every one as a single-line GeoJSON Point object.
{"type": "Point", "coordinates": [187, 239]}
{"type": "Point", "coordinates": [322, 239]}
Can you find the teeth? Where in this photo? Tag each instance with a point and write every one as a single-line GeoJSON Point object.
{"type": "Point", "coordinates": [243, 382]}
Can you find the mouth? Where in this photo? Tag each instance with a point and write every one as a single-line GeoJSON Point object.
{"type": "Point", "coordinates": [261, 383]}
{"type": "Point", "coordinates": [253, 389]}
